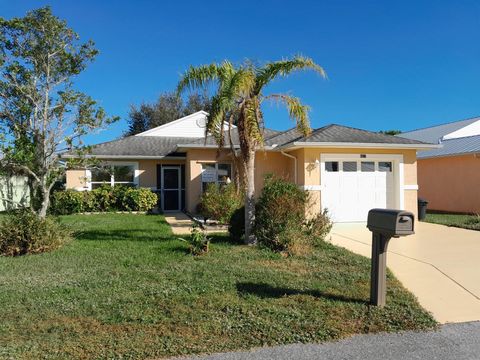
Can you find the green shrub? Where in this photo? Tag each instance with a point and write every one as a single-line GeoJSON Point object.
{"type": "Point", "coordinates": [220, 202]}
{"type": "Point", "coordinates": [103, 199]}
{"type": "Point", "coordinates": [139, 200]}
{"type": "Point", "coordinates": [23, 232]}
{"type": "Point", "coordinates": [198, 242]}
{"type": "Point", "coordinates": [318, 227]}
{"type": "Point", "coordinates": [236, 225]}
{"type": "Point", "coordinates": [67, 202]}
{"type": "Point", "coordinates": [281, 223]}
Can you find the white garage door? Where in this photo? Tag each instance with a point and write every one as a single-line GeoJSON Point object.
{"type": "Point", "coordinates": [350, 188]}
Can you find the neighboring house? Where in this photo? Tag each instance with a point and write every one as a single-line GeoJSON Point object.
{"type": "Point", "coordinates": [346, 170]}
{"type": "Point", "coordinates": [14, 192]}
{"type": "Point", "coordinates": [449, 176]}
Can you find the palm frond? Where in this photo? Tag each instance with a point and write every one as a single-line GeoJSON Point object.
{"type": "Point", "coordinates": [272, 70]}
{"type": "Point", "coordinates": [296, 110]}
{"type": "Point", "coordinates": [198, 77]}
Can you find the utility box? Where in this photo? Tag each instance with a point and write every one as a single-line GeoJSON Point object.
{"type": "Point", "coordinates": [385, 224]}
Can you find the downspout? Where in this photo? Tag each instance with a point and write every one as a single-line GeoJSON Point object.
{"type": "Point", "coordinates": [295, 161]}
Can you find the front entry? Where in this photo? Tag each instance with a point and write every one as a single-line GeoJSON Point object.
{"type": "Point", "coordinates": [171, 189]}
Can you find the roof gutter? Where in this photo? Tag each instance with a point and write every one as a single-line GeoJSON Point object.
{"type": "Point", "coordinates": [363, 145]}
{"type": "Point", "coordinates": [295, 162]}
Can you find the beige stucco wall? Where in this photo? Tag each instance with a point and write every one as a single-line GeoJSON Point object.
{"type": "Point", "coordinates": [450, 183]}
{"type": "Point", "coordinates": [75, 179]}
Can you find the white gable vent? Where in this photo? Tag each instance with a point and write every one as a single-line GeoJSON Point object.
{"type": "Point", "coordinates": [470, 130]}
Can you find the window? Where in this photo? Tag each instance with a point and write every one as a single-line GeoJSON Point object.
{"type": "Point", "coordinates": [331, 166]}
{"type": "Point", "coordinates": [349, 166]}
{"type": "Point", "coordinates": [385, 166]}
{"type": "Point", "coordinates": [368, 166]}
{"type": "Point", "coordinates": [112, 175]}
{"type": "Point", "coordinates": [216, 174]}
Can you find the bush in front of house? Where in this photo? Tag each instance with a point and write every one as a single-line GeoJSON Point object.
{"type": "Point", "coordinates": [236, 225]}
{"type": "Point", "coordinates": [281, 223]}
{"type": "Point", "coordinates": [139, 199]}
{"type": "Point", "coordinates": [23, 232]}
{"type": "Point", "coordinates": [103, 199]}
{"type": "Point", "coordinates": [220, 202]}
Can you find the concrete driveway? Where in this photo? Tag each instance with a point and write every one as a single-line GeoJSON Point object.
{"type": "Point", "coordinates": [439, 264]}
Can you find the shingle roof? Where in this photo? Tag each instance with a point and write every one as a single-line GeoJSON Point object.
{"type": "Point", "coordinates": [139, 146]}
{"type": "Point", "coordinates": [267, 134]}
{"type": "Point", "coordinates": [465, 145]}
{"type": "Point", "coordinates": [156, 146]}
{"type": "Point", "coordinates": [434, 133]}
{"type": "Point", "coordinates": [340, 134]}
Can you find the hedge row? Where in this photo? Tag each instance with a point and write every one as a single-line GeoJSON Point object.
{"type": "Point", "coordinates": [103, 199]}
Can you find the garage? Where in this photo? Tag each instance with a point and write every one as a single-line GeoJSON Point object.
{"type": "Point", "coordinates": [352, 185]}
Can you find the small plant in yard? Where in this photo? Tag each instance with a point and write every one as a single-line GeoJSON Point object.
{"type": "Point", "coordinates": [198, 242]}
{"type": "Point", "coordinates": [220, 202]}
{"type": "Point", "coordinates": [23, 232]}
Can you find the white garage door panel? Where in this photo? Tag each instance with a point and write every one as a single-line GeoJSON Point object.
{"type": "Point", "coordinates": [349, 196]}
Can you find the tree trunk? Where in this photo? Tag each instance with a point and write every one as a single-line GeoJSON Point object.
{"type": "Point", "coordinates": [44, 191]}
{"type": "Point", "coordinates": [249, 198]}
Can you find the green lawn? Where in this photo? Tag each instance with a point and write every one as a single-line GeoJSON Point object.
{"type": "Point", "coordinates": [126, 288]}
{"type": "Point", "coordinates": [471, 222]}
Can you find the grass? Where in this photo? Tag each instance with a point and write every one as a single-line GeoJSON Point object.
{"type": "Point", "coordinates": [471, 222]}
{"type": "Point", "coordinates": [126, 288]}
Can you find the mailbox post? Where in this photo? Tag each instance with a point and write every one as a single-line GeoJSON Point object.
{"type": "Point", "coordinates": [384, 224]}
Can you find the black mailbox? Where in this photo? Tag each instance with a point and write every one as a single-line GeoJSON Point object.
{"type": "Point", "coordinates": [391, 222]}
{"type": "Point", "coordinates": [385, 224]}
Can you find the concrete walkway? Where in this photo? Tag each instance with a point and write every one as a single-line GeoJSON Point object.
{"type": "Point", "coordinates": [180, 223]}
{"type": "Point", "coordinates": [452, 341]}
{"type": "Point", "coordinates": [439, 264]}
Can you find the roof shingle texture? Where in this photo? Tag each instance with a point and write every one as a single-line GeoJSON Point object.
{"type": "Point", "coordinates": [163, 146]}
{"type": "Point", "coordinates": [139, 146]}
{"type": "Point", "coordinates": [340, 134]}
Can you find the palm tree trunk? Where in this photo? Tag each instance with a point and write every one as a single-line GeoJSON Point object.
{"type": "Point", "coordinates": [250, 198]}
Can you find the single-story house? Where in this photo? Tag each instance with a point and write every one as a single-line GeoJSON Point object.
{"type": "Point", "coordinates": [346, 170]}
{"type": "Point", "coordinates": [449, 176]}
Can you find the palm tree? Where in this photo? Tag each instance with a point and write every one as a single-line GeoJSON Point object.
{"type": "Point", "coordinates": [238, 100]}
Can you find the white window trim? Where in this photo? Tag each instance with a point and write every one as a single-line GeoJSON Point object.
{"type": "Point", "coordinates": [136, 173]}
{"type": "Point", "coordinates": [397, 168]}
{"type": "Point", "coordinates": [216, 182]}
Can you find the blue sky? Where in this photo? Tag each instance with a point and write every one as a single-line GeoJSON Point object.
{"type": "Point", "coordinates": [391, 65]}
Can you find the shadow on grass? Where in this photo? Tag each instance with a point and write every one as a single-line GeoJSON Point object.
{"type": "Point", "coordinates": [222, 239]}
{"type": "Point", "coordinates": [121, 235]}
{"type": "Point", "coordinates": [265, 291]}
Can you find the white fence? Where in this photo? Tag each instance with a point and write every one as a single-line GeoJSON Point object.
{"type": "Point", "coordinates": [14, 192]}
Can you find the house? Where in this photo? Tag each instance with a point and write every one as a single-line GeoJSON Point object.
{"type": "Point", "coordinates": [449, 176]}
{"type": "Point", "coordinates": [346, 170]}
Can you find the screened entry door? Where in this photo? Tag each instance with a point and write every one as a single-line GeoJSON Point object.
{"type": "Point", "coordinates": [171, 192]}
